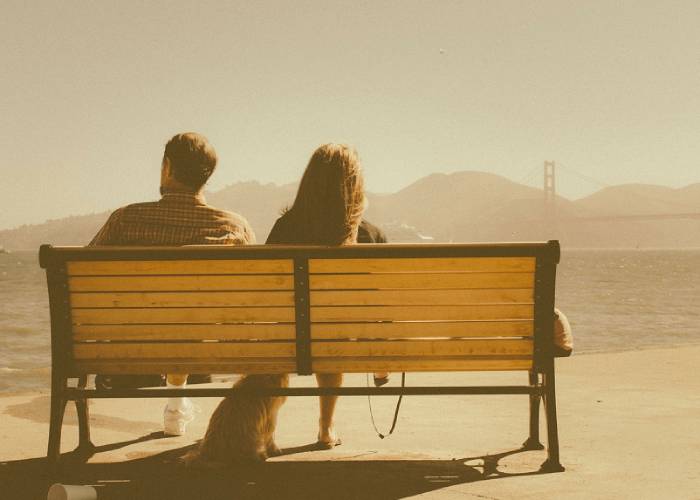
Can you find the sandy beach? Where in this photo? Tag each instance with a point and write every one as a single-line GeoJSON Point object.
{"type": "Point", "coordinates": [627, 430]}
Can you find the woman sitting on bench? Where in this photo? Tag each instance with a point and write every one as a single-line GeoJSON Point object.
{"type": "Point", "coordinates": [328, 211]}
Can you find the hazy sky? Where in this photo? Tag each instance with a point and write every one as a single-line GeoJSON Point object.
{"type": "Point", "coordinates": [91, 91]}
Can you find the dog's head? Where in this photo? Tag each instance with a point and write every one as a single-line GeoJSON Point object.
{"type": "Point", "coordinates": [265, 380]}
{"type": "Point", "coordinates": [277, 380]}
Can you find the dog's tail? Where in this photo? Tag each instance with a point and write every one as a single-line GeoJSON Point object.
{"type": "Point", "coordinates": [196, 460]}
{"type": "Point", "coordinates": [192, 457]}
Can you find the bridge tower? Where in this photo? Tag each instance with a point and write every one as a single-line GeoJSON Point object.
{"type": "Point", "coordinates": [549, 214]}
{"type": "Point", "coordinates": [550, 189]}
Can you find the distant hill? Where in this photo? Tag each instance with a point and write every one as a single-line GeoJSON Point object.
{"type": "Point", "coordinates": [465, 206]}
{"type": "Point", "coordinates": [459, 207]}
{"type": "Point", "coordinates": [690, 194]}
{"type": "Point", "coordinates": [638, 199]}
{"type": "Point", "coordinates": [73, 230]}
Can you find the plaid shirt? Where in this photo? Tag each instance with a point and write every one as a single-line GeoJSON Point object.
{"type": "Point", "coordinates": [176, 219]}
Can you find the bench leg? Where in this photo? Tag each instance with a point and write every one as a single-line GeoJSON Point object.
{"type": "Point", "coordinates": [533, 442]}
{"type": "Point", "coordinates": [552, 463]}
{"type": "Point", "coordinates": [81, 405]}
{"type": "Point", "coordinates": [58, 408]}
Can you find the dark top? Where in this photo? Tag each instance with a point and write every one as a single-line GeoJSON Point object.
{"type": "Point", "coordinates": [285, 232]}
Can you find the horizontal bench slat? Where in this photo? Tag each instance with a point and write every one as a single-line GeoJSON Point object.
{"type": "Point", "coordinates": [519, 328]}
{"type": "Point", "coordinates": [280, 331]}
{"type": "Point", "coordinates": [420, 297]}
{"type": "Point", "coordinates": [424, 348]}
{"type": "Point", "coordinates": [282, 365]}
{"type": "Point", "coordinates": [199, 315]}
{"type": "Point", "coordinates": [427, 264]}
{"type": "Point", "coordinates": [418, 313]}
{"type": "Point", "coordinates": [156, 267]}
{"type": "Point", "coordinates": [182, 299]}
{"type": "Point", "coordinates": [433, 281]}
{"type": "Point", "coordinates": [180, 283]}
{"type": "Point", "coordinates": [354, 365]}
{"type": "Point", "coordinates": [185, 350]}
{"type": "Point", "coordinates": [189, 366]}
{"type": "Point", "coordinates": [283, 331]}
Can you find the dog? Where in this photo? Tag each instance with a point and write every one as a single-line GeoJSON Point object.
{"type": "Point", "coordinates": [242, 427]}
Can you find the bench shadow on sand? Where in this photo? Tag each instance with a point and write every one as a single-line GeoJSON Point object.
{"type": "Point", "coordinates": [162, 476]}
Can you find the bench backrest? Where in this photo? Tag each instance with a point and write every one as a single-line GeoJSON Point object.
{"type": "Point", "coordinates": [274, 309]}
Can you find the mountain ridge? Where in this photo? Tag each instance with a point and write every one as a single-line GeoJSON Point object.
{"type": "Point", "coordinates": [459, 206]}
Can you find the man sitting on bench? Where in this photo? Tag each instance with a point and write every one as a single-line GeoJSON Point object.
{"type": "Point", "coordinates": [180, 217]}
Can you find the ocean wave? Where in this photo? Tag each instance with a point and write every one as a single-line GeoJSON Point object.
{"type": "Point", "coordinates": [36, 370]}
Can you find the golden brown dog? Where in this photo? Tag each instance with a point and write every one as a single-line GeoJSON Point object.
{"type": "Point", "coordinates": [242, 427]}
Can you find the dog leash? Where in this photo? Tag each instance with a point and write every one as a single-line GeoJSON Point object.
{"type": "Point", "coordinates": [396, 412]}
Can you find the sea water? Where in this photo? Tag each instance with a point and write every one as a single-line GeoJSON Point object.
{"type": "Point", "coordinates": [615, 299]}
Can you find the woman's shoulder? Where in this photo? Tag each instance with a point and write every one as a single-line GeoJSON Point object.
{"type": "Point", "coordinates": [286, 231]}
{"type": "Point", "coordinates": [282, 231]}
{"type": "Point", "coordinates": [369, 233]}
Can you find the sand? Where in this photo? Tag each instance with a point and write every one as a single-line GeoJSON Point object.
{"type": "Point", "coordinates": [627, 430]}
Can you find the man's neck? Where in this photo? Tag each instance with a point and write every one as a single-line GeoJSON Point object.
{"type": "Point", "coordinates": [174, 190]}
{"type": "Point", "coordinates": [170, 191]}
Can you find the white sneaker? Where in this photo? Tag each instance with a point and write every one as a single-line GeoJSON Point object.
{"type": "Point", "coordinates": [177, 416]}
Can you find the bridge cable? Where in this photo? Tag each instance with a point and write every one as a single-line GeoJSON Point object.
{"type": "Point", "coordinates": [641, 195]}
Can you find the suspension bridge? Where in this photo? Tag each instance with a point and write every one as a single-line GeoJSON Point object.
{"type": "Point", "coordinates": [685, 211]}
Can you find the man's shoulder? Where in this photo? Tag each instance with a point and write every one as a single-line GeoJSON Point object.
{"type": "Point", "coordinates": [112, 231]}
{"type": "Point", "coordinates": [133, 208]}
{"type": "Point", "coordinates": [229, 216]}
{"type": "Point", "coordinates": [235, 223]}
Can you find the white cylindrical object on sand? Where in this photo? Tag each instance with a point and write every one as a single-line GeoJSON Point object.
{"type": "Point", "coordinates": [71, 492]}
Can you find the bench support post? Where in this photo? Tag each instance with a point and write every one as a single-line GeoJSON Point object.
{"type": "Point", "coordinates": [552, 463]}
{"type": "Point", "coordinates": [85, 445]}
{"type": "Point", "coordinates": [58, 409]}
{"type": "Point", "coordinates": [59, 306]}
{"type": "Point", "coordinates": [533, 441]}
{"type": "Point", "coordinates": [302, 304]}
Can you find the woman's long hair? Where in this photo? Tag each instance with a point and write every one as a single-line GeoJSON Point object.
{"type": "Point", "coordinates": [331, 197]}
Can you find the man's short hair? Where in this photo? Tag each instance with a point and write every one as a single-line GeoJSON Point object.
{"type": "Point", "coordinates": [192, 159]}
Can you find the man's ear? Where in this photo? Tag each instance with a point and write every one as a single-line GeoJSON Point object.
{"type": "Point", "coordinates": [165, 165]}
{"type": "Point", "coordinates": [165, 172]}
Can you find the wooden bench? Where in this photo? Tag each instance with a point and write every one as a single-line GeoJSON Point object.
{"type": "Point", "coordinates": [274, 309]}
